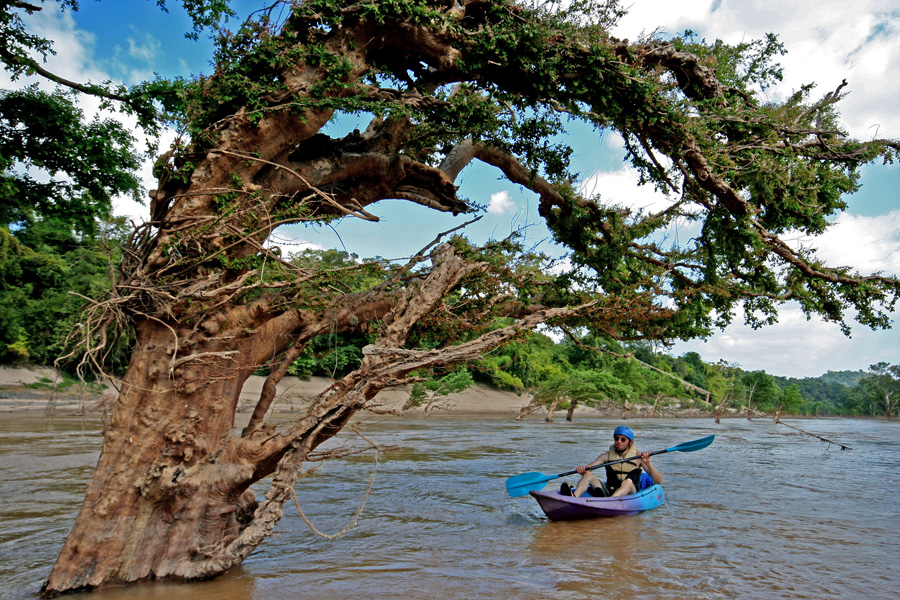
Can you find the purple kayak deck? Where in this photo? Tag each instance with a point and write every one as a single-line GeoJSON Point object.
{"type": "Point", "coordinates": [566, 508]}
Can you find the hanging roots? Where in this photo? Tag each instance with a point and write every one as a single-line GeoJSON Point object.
{"type": "Point", "coordinates": [356, 516]}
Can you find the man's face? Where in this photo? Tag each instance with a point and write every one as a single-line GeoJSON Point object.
{"type": "Point", "coordinates": [621, 442]}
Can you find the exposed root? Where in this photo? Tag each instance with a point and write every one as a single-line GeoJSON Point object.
{"type": "Point", "coordinates": [359, 511]}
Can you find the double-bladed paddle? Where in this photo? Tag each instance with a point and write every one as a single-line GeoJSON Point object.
{"type": "Point", "coordinates": [520, 485]}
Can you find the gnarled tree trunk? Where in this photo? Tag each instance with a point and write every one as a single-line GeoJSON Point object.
{"type": "Point", "coordinates": [446, 82]}
{"type": "Point", "coordinates": [170, 497]}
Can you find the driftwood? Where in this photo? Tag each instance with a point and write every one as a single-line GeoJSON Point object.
{"type": "Point", "coordinates": [778, 421]}
{"type": "Point", "coordinates": [529, 408]}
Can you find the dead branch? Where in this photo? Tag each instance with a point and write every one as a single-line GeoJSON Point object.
{"type": "Point", "coordinates": [819, 437]}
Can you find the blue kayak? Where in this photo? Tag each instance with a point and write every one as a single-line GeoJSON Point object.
{"type": "Point", "coordinates": [567, 508]}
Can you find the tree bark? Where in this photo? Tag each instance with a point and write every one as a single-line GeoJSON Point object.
{"type": "Point", "coordinates": [570, 414]}
{"type": "Point", "coordinates": [158, 501]}
{"type": "Point", "coordinates": [171, 497]}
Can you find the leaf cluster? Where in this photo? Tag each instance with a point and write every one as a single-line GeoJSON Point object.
{"type": "Point", "coordinates": [55, 165]}
{"type": "Point", "coordinates": [46, 273]}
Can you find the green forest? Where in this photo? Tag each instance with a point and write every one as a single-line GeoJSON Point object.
{"type": "Point", "coordinates": [50, 267]}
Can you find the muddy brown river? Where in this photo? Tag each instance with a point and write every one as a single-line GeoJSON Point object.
{"type": "Point", "coordinates": [765, 512]}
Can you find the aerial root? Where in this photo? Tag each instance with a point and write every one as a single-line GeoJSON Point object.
{"type": "Point", "coordinates": [359, 511]}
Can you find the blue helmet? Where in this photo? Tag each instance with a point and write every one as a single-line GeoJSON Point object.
{"type": "Point", "coordinates": [624, 430]}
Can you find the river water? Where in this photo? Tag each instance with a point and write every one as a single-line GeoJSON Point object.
{"type": "Point", "coordinates": [765, 512]}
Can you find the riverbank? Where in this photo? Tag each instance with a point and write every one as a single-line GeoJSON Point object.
{"type": "Point", "coordinates": [33, 389]}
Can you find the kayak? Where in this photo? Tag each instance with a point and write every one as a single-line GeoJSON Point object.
{"type": "Point", "coordinates": [567, 508]}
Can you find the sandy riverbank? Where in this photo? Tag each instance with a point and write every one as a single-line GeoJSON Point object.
{"type": "Point", "coordinates": [29, 389]}
{"type": "Point", "coordinates": [32, 389]}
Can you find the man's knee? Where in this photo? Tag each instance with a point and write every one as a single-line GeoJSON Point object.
{"type": "Point", "coordinates": [625, 489]}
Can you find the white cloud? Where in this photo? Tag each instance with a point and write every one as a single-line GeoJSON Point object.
{"type": "Point", "coordinates": [141, 59]}
{"type": "Point", "coordinates": [621, 188]}
{"type": "Point", "coordinates": [501, 203]}
{"type": "Point", "coordinates": [868, 244]}
{"type": "Point", "coordinates": [796, 347]}
{"type": "Point", "coordinates": [289, 246]}
{"type": "Point", "coordinates": [644, 16]}
{"type": "Point", "coordinates": [827, 41]}
{"type": "Point", "coordinates": [74, 58]}
{"type": "Point", "coordinates": [143, 46]}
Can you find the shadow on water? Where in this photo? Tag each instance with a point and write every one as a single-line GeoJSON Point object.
{"type": "Point", "coordinates": [762, 513]}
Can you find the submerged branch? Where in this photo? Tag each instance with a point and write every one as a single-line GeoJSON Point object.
{"type": "Point", "coordinates": [778, 421]}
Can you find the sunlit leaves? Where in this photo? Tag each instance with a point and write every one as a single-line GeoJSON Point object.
{"type": "Point", "coordinates": [54, 164]}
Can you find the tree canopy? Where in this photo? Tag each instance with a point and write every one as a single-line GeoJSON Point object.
{"type": "Point", "coordinates": [498, 82]}
{"type": "Point", "coordinates": [54, 165]}
{"type": "Point", "coordinates": [442, 84]}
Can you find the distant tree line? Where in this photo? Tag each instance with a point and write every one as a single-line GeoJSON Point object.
{"type": "Point", "coordinates": [47, 268]}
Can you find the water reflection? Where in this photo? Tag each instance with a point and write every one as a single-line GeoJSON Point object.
{"type": "Point", "coordinates": [234, 585]}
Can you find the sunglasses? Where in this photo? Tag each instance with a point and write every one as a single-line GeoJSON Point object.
{"type": "Point", "coordinates": [620, 438]}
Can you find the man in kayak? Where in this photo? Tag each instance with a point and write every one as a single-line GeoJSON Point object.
{"type": "Point", "coordinates": [621, 479]}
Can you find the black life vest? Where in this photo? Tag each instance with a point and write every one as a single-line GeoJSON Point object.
{"type": "Point", "coordinates": [616, 474]}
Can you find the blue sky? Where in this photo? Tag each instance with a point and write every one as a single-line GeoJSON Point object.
{"type": "Point", "coordinates": [827, 41]}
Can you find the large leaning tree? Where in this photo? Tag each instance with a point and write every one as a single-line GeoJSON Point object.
{"type": "Point", "coordinates": [443, 83]}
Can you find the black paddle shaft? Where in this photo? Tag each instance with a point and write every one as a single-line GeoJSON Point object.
{"type": "Point", "coordinates": [615, 462]}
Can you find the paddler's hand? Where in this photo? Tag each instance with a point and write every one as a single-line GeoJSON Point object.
{"type": "Point", "coordinates": [645, 458]}
{"type": "Point", "coordinates": [580, 469]}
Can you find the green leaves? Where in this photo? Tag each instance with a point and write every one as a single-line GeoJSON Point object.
{"type": "Point", "coordinates": [587, 387]}
{"type": "Point", "coordinates": [435, 389]}
{"type": "Point", "coordinates": [882, 388]}
{"type": "Point", "coordinates": [204, 13]}
{"type": "Point", "coordinates": [81, 165]}
{"type": "Point", "coordinates": [40, 266]}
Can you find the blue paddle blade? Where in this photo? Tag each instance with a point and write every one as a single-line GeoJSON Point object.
{"type": "Point", "coordinates": [693, 446]}
{"type": "Point", "coordinates": [520, 485]}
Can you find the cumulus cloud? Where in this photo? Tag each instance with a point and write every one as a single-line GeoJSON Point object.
{"type": "Point", "coordinates": [795, 346]}
{"type": "Point", "coordinates": [501, 203]}
{"type": "Point", "coordinates": [140, 60]}
{"type": "Point", "coordinates": [868, 244]}
{"type": "Point", "coordinates": [74, 47]}
{"type": "Point", "coordinates": [827, 42]}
